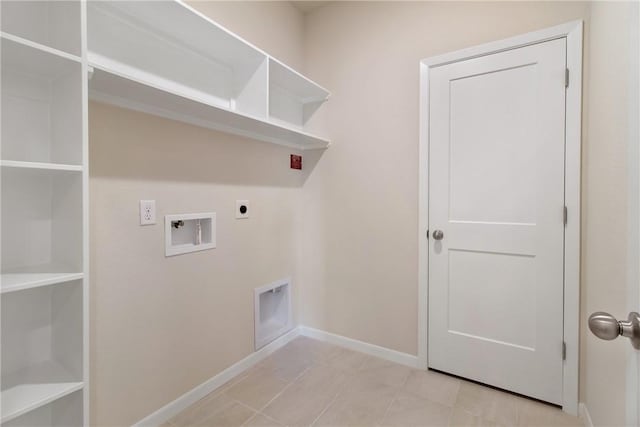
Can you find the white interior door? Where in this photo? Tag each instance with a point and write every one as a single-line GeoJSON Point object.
{"type": "Point", "coordinates": [496, 191]}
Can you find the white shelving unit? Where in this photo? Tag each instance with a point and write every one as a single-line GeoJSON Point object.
{"type": "Point", "coordinates": [43, 163]}
{"type": "Point", "coordinates": [167, 59]}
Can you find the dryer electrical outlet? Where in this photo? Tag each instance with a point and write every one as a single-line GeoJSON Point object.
{"type": "Point", "coordinates": [242, 209]}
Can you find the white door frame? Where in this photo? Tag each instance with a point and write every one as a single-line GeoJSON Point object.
{"type": "Point", "coordinates": [633, 261]}
{"type": "Point", "coordinates": [572, 31]}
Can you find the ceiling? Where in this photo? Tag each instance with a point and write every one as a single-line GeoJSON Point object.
{"type": "Point", "coordinates": [308, 6]}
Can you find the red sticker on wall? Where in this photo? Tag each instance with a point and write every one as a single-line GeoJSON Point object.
{"type": "Point", "coordinates": [296, 162]}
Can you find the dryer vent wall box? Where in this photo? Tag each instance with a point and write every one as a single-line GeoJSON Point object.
{"type": "Point", "coordinates": [186, 233]}
{"type": "Point", "coordinates": [272, 312]}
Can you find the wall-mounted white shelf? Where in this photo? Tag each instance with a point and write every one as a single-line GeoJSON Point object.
{"type": "Point", "coordinates": [40, 165]}
{"type": "Point", "coordinates": [166, 59]}
{"type": "Point", "coordinates": [63, 411]}
{"type": "Point", "coordinates": [11, 282]}
{"type": "Point", "coordinates": [24, 398]}
{"type": "Point", "coordinates": [111, 88]}
{"type": "Point", "coordinates": [38, 46]}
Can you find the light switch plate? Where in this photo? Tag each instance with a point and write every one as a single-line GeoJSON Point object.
{"type": "Point", "coordinates": [147, 212]}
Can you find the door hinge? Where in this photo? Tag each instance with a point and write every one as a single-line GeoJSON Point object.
{"type": "Point", "coordinates": [564, 350]}
{"type": "Point", "coordinates": [565, 215]}
{"type": "Point", "coordinates": [566, 77]}
{"type": "Point", "coordinates": [427, 233]}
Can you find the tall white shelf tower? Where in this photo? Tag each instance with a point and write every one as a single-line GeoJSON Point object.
{"type": "Point", "coordinates": [44, 264]}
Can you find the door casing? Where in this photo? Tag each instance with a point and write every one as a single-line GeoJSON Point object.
{"type": "Point", "coordinates": [572, 31]}
{"type": "Point", "coordinates": [633, 262]}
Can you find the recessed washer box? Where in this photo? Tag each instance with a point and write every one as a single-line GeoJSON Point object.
{"type": "Point", "coordinates": [272, 307]}
{"type": "Point", "coordinates": [186, 233]}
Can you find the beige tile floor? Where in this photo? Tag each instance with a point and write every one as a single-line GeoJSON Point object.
{"type": "Point", "coordinates": [311, 383]}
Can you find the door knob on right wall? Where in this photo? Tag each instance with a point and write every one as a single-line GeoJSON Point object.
{"type": "Point", "coordinates": [606, 327]}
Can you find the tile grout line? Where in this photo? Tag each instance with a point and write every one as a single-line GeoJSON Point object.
{"type": "Point", "coordinates": [386, 411]}
{"type": "Point", "coordinates": [455, 403]}
{"type": "Point", "coordinates": [257, 412]}
{"type": "Point", "coordinates": [281, 393]}
{"type": "Point", "coordinates": [250, 418]}
{"type": "Point", "coordinates": [338, 393]}
{"type": "Point", "coordinates": [271, 419]}
{"type": "Point", "coordinates": [260, 411]}
{"type": "Point", "coordinates": [244, 404]}
{"type": "Point", "coordinates": [231, 402]}
{"type": "Point", "coordinates": [331, 402]}
{"type": "Point", "coordinates": [395, 397]}
{"type": "Point", "coordinates": [223, 390]}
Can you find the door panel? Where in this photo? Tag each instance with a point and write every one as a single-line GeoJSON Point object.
{"type": "Point", "coordinates": [503, 309]}
{"type": "Point", "coordinates": [502, 98]}
{"type": "Point", "coordinates": [496, 173]}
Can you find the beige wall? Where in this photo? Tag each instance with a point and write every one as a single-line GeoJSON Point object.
{"type": "Point", "coordinates": [160, 326]}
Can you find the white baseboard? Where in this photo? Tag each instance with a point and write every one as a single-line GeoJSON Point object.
{"type": "Point", "coordinates": [583, 413]}
{"type": "Point", "coordinates": [361, 346]}
{"type": "Point", "coordinates": [173, 408]}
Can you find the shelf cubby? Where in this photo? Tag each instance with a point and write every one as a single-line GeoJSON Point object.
{"type": "Point", "coordinates": [41, 106]}
{"type": "Point", "coordinates": [56, 24]}
{"type": "Point", "coordinates": [41, 347]}
{"type": "Point", "coordinates": [41, 223]}
{"type": "Point", "coordinates": [45, 410]}
{"type": "Point", "coordinates": [292, 97]}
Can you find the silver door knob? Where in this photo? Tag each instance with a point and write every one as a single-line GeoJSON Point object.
{"type": "Point", "coordinates": [605, 326]}
{"type": "Point", "coordinates": [438, 235]}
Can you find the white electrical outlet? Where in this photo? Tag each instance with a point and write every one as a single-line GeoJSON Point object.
{"type": "Point", "coordinates": [147, 212]}
{"type": "Point", "coordinates": [242, 209]}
